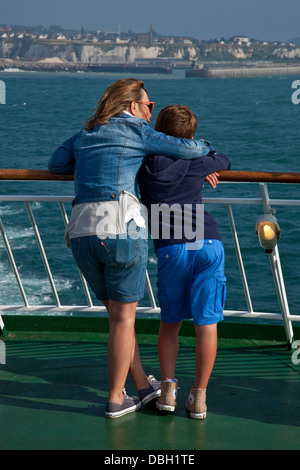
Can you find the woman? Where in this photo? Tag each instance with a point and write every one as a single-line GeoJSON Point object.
{"type": "Point", "coordinates": [106, 231]}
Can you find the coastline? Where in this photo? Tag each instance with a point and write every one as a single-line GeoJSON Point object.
{"type": "Point", "coordinates": [59, 65]}
{"type": "Point", "coordinates": [209, 70]}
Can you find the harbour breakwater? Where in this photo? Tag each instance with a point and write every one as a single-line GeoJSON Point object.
{"type": "Point", "coordinates": [52, 65]}
{"type": "Point", "coordinates": [255, 70]}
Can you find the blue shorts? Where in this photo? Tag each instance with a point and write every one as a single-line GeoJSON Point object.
{"type": "Point", "coordinates": [114, 268]}
{"type": "Point", "coordinates": [191, 282]}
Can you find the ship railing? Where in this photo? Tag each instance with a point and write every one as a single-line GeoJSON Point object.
{"type": "Point", "coordinates": [260, 178]}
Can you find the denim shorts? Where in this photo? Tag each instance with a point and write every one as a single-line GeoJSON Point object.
{"type": "Point", "coordinates": [114, 268]}
{"type": "Point", "coordinates": [191, 282]}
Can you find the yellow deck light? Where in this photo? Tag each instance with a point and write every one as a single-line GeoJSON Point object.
{"type": "Point", "coordinates": [268, 232]}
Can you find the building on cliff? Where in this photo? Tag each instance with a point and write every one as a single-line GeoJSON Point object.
{"type": "Point", "coordinates": [146, 38]}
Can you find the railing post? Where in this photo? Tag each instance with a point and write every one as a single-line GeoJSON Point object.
{"type": "Point", "coordinates": [281, 294]}
{"type": "Point", "coordinates": [150, 291]}
{"type": "Point", "coordinates": [239, 258]}
{"type": "Point", "coordinates": [277, 273]}
{"type": "Point", "coordinates": [42, 251]}
{"type": "Point", "coordinates": [83, 280]}
{"type": "Point", "coordinates": [13, 264]}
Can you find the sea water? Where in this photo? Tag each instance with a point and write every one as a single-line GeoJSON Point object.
{"type": "Point", "coordinates": [253, 120]}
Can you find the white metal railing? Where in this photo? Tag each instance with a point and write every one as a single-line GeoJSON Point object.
{"type": "Point", "coordinates": [274, 257]}
{"type": "Point", "coordinates": [90, 307]}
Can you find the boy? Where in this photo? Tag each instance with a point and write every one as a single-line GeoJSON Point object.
{"type": "Point", "coordinates": [191, 281]}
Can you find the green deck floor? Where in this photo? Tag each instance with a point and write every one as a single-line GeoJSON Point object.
{"type": "Point", "coordinates": [53, 391]}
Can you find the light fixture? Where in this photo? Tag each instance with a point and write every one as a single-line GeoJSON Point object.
{"type": "Point", "coordinates": [268, 232]}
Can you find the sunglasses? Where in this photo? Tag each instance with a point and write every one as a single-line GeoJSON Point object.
{"type": "Point", "coordinates": [150, 104]}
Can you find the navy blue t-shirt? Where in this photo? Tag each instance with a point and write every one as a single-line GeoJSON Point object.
{"type": "Point", "coordinates": [165, 180]}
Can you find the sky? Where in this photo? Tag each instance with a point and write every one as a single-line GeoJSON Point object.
{"type": "Point", "coordinates": [268, 20]}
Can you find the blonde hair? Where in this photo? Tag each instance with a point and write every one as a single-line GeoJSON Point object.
{"type": "Point", "coordinates": [177, 120]}
{"type": "Point", "coordinates": [116, 98]}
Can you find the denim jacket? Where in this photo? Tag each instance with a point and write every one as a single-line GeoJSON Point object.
{"type": "Point", "coordinates": [106, 159]}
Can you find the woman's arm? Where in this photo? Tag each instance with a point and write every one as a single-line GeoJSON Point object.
{"type": "Point", "coordinates": [63, 160]}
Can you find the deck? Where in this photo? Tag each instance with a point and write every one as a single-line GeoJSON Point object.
{"type": "Point", "coordinates": [54, 386]}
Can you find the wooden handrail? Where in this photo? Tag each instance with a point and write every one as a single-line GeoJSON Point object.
{"type": "Point", "coordinates": [259, 176]}
{"type": "Point", "coordinates": [32, 175]}
{"type": "Point", "coordinates": [235, 176]}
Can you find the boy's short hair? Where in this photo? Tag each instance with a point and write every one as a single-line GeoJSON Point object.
{"type": "Point", "coordinates": [177, 120]}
